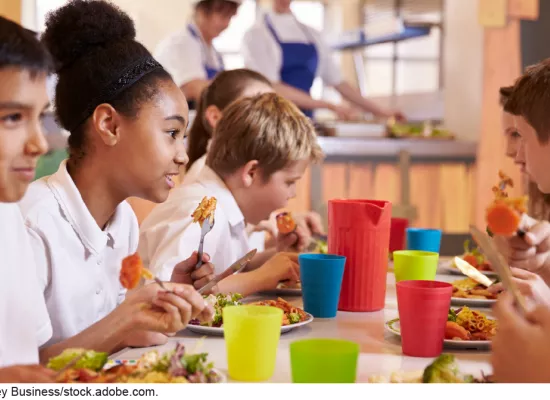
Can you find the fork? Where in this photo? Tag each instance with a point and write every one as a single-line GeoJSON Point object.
{"type": "Point", "coordinates": [206, 227]}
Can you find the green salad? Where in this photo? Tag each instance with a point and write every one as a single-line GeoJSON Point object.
{"type": "Point", "coordinates": [219, 302]}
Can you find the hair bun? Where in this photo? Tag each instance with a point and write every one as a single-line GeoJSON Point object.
{"type": "Point", "coordinates": [76, 28]}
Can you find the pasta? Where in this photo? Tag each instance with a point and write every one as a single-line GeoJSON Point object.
{"type": "Point", "coordinates": [205, 211]}
{"type": "Point", "coordinates": [477, 323]}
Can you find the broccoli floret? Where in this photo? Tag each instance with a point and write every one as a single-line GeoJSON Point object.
{"type": "Point", "coordinates": [452, 315]}
{"type": "Point", "coordinates": [442, 370]}
{"type": "Point", "coordinates": [294, 318]}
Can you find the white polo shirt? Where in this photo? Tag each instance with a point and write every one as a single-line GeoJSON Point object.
{"type": "Point", "coordinates": [183, 56]}
{"type": "Point", "coordinates": [24, 321]}
{"type": "Point", "coordinates": [263, 54]}
{"type": "Point", "coordinates": [78, 262]}
{"type": "Point", "coordinates": [169, 236]}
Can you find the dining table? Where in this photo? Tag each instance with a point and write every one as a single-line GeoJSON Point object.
{"type": "Point", "coordinates": [380, 350]}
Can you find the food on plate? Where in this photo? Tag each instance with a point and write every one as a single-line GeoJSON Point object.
{"type": "Point", "coordinates": [285, 223]}
{"type": "Point", "coordinates": [503, 216]}
{"type": "Point", "coordinates": [443, 369]}
{"type": "Point", "coordinates": [176, 366]}
{"type": "Point", "coordinates": [467, 324]}
{"type": "Point", "coordinates": [475, 258]}
{"type": "Point", "coordinates": [469, 289]}
{"type": "Point", "coordinates": [291, 315]}
{"type": "Point", "coordinates": [422, 130]}
{"type": "Point", "coordinates": [322, 246]}
{"type": "Point", "coordinates": [132, 271]}
{"type": "Point", "coordinates": [205, 211]}
{"type": "Point", "coordinates": [88, 359]}
{"type": "Point", "coordinates": [218, 301]}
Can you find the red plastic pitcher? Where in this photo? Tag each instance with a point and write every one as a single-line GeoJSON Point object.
{"type": "Point", "coordinates": [360, 231]}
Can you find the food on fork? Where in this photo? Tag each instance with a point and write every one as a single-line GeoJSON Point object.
{"type": "Point", "coordinates": [504, 214]}
{"type": "Point", "coordinates": [205, 211]}
{"type": "Point", "coordinates": [285, 223]}
{"type": "Point", "coordinates": [132, 271]}
{"type": "Point", "coordinates": [176, 366]}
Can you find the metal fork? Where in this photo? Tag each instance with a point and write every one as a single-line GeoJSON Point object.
{"type": "Point", "coordinates": [206, 227]}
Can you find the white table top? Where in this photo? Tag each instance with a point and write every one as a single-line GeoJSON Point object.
{"type": "Point", "coordinates": [380, 350]}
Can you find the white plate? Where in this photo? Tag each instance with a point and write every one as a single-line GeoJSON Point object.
{"type": "Point", "coordinates": [212, 331]}
{"type": "Point", "coordinates": [448, 267]}
{"type": "Point", "coordinates": [393, 327]}
{"type": "Point", "coordinates": [457, 301]}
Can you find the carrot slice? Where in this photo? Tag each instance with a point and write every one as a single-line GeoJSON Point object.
{"type": "Point", "coordinates": [285, 223]}
{"type": "Point", "coordinates": [502, 219]}
{"type": "Point", "coordinates": [131, 271]}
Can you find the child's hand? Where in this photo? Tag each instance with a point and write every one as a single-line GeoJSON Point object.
{"type": "Point", "coordinates": [529, 284]}
{"type": "Point", "coordinates": [532, 252]}
{"type": "Point", "coordinates": [294, 241]}
{"type": "Point", "coordinates": [185, 272]}
{"type": "Point", "coordinates": [311, 221]}
{"type": "Point", "coordinates": [153, 309]}
{"type": "Point", "coordinates": [280, 267]}
{"type": "Point", "coordinates": [520, 348]}
{"type": "Point", "coordinates": [27, 374]}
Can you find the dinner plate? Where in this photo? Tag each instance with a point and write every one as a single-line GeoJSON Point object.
{"type": "Point", "coordinates": [457, 301]}
{"type": "Point", "coordinates": [447, 266]}
{"type": "Point", "coordinates": [218, 331]}
{"type": "Point", "coordinates": [393, 327]}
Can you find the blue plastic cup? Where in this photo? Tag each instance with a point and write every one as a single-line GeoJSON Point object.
{"type": "Point", "coordinates": [424, 239]}
{"type": "Point", "coordinates": [321, 276]}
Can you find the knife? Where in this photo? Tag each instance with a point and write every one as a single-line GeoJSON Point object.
{"type": "Point", "coordinates": [471, 272]}
{"type": "Point", "coordinates": [498, 263]}
{"type": "Point", "coordinates": [236, 267]}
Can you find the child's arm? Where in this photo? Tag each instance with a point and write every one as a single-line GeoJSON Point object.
{"type": "Point", "coordinates": [281, 267]}
{"type": "Point", "coordinates": [260, 259]}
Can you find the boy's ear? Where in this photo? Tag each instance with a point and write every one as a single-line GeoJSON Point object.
{"type": "Point", "coordinates": [250, 173]}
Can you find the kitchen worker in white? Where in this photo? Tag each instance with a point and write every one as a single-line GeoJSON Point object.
{"type": "Point", "coordinates": [189, 55]}
{"type": "Point", "coordinates": [292, 55]}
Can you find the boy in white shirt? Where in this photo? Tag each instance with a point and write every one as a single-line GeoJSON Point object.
{"type": "Point", "coordinates": [260, 148]}
{"type": "Point", "coordinates": [24, 321]}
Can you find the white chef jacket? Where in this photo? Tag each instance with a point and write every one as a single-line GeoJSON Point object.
{"type": "Point", "coordinates": [78, 263]}
{"type": "Point", "coordinates": [24, 320]}
{"type": "Point", "coordinates": [263, 54]}
{"type": "Point", "coordinates": [169, 236]}
{"type": "Point", "coordinates": [183, 56]}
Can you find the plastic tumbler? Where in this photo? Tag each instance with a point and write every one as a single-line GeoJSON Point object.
{"type": "Point", "coordinates": [423, 239]}
{"type": "Point", "coordinates": [251, 339]}
{"type": "Point", "coordinates": [360, 231]}
{"type": "Point", "coordinates": [409, 265]}
{"type": "Point", "coordinates": [321, 277]}
{"type": "Point", "coordinates": [324, 361]}
{"type": "Point", "coordinates": [423, 310]}
{"type": "Point", "coordinates": [397, 234]}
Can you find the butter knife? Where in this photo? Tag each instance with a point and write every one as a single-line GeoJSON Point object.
{"type": "Point", "coordinates": [236, 267]}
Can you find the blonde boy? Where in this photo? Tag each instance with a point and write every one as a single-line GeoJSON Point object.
{"type": "Point", "coordinates": [260, 149]}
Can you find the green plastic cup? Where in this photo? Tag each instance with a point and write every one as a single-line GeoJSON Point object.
{"type": "Point", "coordinates": [415, 265]}
{"type": "Point", "coordinates": [251, 340]}
{"type": "Point", "coordinates": [324, 361]}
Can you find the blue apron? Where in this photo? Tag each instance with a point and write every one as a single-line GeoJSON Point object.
{"type": "Point", "coordinates": [300, 62]}
{"type": "Point", "coordinates": [211, 72]}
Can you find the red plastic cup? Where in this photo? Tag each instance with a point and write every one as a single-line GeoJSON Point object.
{"type": "Point", "coordinates": [360, 231]}
{"type": "Point", "coordinates": [398, 234]}
{"type": "Point", "coordinates": [423, 310]}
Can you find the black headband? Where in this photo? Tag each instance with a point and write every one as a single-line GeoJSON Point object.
{"type": "Point", "coordinates": [129, 76]}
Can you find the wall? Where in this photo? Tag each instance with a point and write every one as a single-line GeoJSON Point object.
{"type": "Point", "coordinates": [462, 66]}
{"type": "Point", "coordinates": [11, 9]}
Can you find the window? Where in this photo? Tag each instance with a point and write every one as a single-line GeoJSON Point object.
{"type": "Point", "coordinates": [410, 66]}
